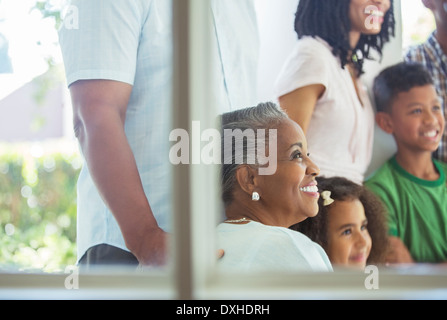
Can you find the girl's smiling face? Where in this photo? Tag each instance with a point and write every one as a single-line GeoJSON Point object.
{"type": "Point", "coordinates": [349, 242]}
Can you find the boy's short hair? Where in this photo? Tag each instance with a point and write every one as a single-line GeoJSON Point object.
{"type": "Point", "coordinates": [398, 78]}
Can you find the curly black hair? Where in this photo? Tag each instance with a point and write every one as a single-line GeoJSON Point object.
{"type": "Point", "coordinates": [329, 20]}
{"type": "Point", "coordinates": [342, 190]}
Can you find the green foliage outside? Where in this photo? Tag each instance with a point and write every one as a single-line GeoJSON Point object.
{"type": "Point", "coordinates": [38, 189]}
{"type": "Point", "coordinates": [38, 210]}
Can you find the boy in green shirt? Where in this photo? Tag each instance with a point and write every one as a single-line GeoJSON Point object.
{"type": "Point", "coordinates": [411, 184]}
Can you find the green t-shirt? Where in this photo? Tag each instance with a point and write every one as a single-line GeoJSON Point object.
{"type": "Point", "coordinates": [417, 209]}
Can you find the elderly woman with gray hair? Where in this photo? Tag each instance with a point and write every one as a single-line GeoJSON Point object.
{"type": "Point", "coordinates": [261, 204]}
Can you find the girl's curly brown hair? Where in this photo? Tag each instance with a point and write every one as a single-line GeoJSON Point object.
{"type": "Point", "coordinates": [344, 190]}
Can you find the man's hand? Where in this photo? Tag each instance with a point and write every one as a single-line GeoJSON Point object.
{"type": "Point", "coordinates": [153, 248]}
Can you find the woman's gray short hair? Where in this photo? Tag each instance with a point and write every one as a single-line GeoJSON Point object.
{"type": "Point", "coordinates": [263, 116]}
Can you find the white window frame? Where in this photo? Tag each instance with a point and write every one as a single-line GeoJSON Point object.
{"type": "Point", "coordinates": [192, 274]}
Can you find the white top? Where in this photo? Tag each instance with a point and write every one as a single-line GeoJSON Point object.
{"type": "Point", "coordinates": [255, 247]}
{"type": "Point", "coordinates": [341, 130]}
{"type": "Point", "coordinates": [131, 42]}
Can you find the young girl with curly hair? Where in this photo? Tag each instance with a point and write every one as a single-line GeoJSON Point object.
{"type": "Point", "coordinates": [350, 224]}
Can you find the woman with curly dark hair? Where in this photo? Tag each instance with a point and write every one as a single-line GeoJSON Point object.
{"type": "Point", "coordinates": [320, 87]}
{"type": "Point", "coordinates": [350, 225]}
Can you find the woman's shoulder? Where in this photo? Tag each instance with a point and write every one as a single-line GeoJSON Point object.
{"type": "Point", "coordinates": [310, 62]}
{"type": "Point", "coordinates": [313, 45]}
{"type": "Point", "coordinates": [253, 230]}
{"type": "Point", "coordinates": [248, 230]}
{"type": "Point", "coordinates": [300, 238]}
{"type": "Point", "coordinates": [262, 245]}
{"type": "Point", "coordinates": [264, 233]}
{"type": "Point", "coordinates": [310, 250]}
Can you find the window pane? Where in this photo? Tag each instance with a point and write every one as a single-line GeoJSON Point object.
{"type": "Point", "coordinates": [52, 210]}
{"type": "Point", "coordinates": [274, 51]}
{"type": "Point", "coordinates": [39, 158]}
{"type": "Point", "coordinates": [417, 23]}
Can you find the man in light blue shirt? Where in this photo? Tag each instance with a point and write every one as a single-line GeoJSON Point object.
{"type": "Point", "coordinates": [118, 64]}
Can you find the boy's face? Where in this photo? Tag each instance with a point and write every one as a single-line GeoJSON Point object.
{"type": "Point", "coordinates": [416, 120]}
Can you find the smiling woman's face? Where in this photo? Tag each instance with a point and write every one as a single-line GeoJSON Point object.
{"type": "Point", "coordinates": [367, 16]}
{"type": "Point", "coordinates": [292, 191]}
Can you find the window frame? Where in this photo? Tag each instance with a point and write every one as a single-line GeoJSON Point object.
{"type": "Point", "coordinates": [192, 273]}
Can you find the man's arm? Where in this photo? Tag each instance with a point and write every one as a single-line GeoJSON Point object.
{"type": "Point", "coordinates": [99, 111]}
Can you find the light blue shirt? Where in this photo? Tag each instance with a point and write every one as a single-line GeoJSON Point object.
{"type": "Point", "coordinates": [131, 41]}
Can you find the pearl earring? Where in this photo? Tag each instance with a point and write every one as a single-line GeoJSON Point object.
{"type": "Point", "coordinates": [255, 196]}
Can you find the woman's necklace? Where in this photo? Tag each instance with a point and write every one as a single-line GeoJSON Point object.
{"type": "Point", "coordinates": [238, 220]}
